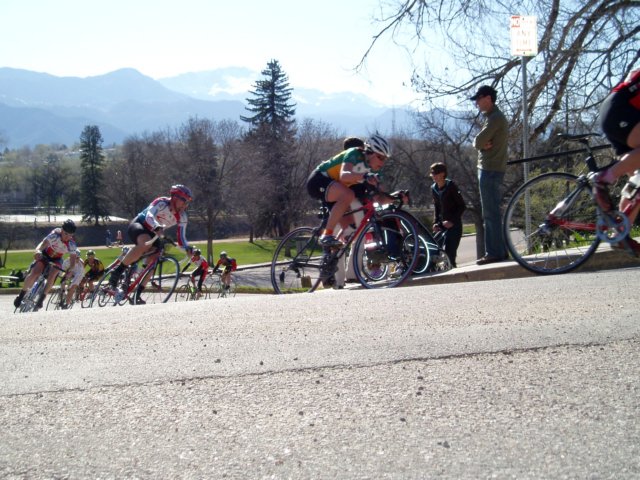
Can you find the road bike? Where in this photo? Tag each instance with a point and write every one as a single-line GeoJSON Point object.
{"type": "Point", "coordinates": [553, 224]}
{"type": "Point", "coordinates": [37, 291]}
{"type": "Point", "coordinates": [189, 291]}
{"type": "Point", "coordinates": [155, 273]}
{"type": "Point", "coordinates": [220, 288]}
{"type": "Point", "coordinates": [57, 298]}
{"type": "Point", "coordinates": [385, 246]}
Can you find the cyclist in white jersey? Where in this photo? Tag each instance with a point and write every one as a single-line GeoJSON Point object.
{"type": "Point", "coordinates": [50, 250]}
{"type": "Point", "coordinates": [72, 275]}
{"type": "Point", "coordinates": [162, 213]}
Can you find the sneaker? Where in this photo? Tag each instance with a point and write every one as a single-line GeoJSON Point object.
{"type": "Point", "coordinates": [18, 300]}
{"type": "Point", "coordinates": [601, 194]}
{"type": "Point", "coordinates": [330, 241]}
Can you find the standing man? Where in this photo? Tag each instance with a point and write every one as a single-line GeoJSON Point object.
{"type": "Point", "coordinates": [491, 144]}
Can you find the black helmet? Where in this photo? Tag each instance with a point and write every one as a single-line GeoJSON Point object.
{"type": "Point", "coordinates": [69, 226]}
{"type": "Point", "coordinates": [197, 252]}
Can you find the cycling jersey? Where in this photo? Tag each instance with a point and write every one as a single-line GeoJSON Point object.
{"type": "Point", "coordinates": [158, 214]}
{"type": "Point", "coordinates": [199, 262]}
{"type": "Point", "coordinates": [97, 267]}
{"type": "Point", "coordinates": [229, 264]}
{"type": "Point", "coordinates": [56, 246]}
{"type": "Point", "coordinates": [355, 156]}
{"type": "Point", "coordinates": [74, 276]}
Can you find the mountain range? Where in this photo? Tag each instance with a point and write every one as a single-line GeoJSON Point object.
{"type": "Point", "coordinates": [39, 108]}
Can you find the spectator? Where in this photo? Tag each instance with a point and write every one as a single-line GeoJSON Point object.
{"type": "Point", "coordinates": [108, 239]}
{"type": "Point", "coordinates": [491, 144]}
{"type": "Point", "coordinates": [449, 206]}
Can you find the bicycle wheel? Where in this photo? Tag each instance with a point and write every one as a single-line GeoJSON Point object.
{"type": "Point", "coordinates": [424, 257]}
{"type": "Point", "coordinates": [30, 300]}
{"type": "Point", "coordinates": [86, 297]}
{"type": "Point", "coordinates": [55, 297]}
{"type": "Point", "coordinates": [103, 294]}
{"type": "Point", "coordinates": [227, 292]}
{"type": "Point", "coordinates": [183, 294]}
{"type": "Point", "coordinates": [550, 244]}
{"type": "Point", "coordinates": [296, 263]}
{"type": "Point", "coordinates": [386, 251]}
{"type": "Point", "coordinates": [162, 283]}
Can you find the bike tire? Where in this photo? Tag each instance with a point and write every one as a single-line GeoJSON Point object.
{"type": "Point", "coordinates": [395, 254]}
{"type": "Point", "coordinates": [183, 294]}
{"type": "Point", "coordinates": [103, 294]}
{"type": "Point", "coordinates": [230, 292]}
{"type": "Point", "coordinates": [544, 245]}
{"type": "Point", "coordinates": [297, 261]}
{"type": "Point", "coordinates": [162, 284]}
{"type": "Point", "coordinates": [424, 257]}
{"type": "Point", "coordinates": [53, 302]}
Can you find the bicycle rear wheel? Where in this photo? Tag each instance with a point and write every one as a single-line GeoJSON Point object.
{"type": "Point", "coordinates": [386, 251]}
{"type": "Point", "coordinates": [162, 283]}
{"type": "Point", "coordinates": [424, 257]}
{"type": "Point", "coordinates": [551, 244]}
{"type": "Point", "coordinates": [296, 263]}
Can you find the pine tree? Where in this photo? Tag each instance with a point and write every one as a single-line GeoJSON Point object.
{"type": "Point", "coordinates": [92, 200]}
{"type": "Point", "coordinates": [272, 134]}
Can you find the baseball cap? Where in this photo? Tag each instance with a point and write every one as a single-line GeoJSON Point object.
{"type": "Point", "coordinates": [483, 91]}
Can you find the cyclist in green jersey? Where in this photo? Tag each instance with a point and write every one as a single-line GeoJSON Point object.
{"type": "Point", "coordinates": [333, 181]}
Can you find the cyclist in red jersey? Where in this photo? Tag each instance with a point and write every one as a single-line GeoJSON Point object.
{"type": "Point", "coordinates": [620, 122]}
{"type": "Point", "coordinates": [228, 265]}
{"type": "Point", "coordinates": [202, 268]}
{"type": "Point", "coordinates": [51, 249]}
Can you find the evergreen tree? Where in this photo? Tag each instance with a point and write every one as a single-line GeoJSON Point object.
{"type": "Point", "coordinates": [272, 134]}
{"type": "Point", "coordinates": [93, 204]}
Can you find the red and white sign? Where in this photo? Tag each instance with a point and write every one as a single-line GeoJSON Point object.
{"type": "Point", "coordinates": [524, 36]}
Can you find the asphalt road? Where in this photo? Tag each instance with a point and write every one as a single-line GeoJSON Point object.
{"type": "Point", "coordinates": [526, 378]}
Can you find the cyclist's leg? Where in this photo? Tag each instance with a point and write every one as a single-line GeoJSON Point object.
{"type": "Point", "coordinates": [140, 236]}
{"type": "Point", "coordinates": [341, 197]}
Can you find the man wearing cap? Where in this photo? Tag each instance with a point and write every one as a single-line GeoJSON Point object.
{"type": "Point", "coordinates": [491, 144]}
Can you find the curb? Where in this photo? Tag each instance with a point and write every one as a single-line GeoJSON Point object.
{"type": "Point", "coordinates": [603, 259]}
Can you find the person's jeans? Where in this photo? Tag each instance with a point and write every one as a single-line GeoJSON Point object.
{"type": "Point", "coordinates": [490, 185]}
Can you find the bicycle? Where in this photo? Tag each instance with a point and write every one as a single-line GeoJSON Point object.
{"type": "Point", "coordinates": [160, 273]}
{"type": "Point", "coordinates": [221, 288]}
{"type": "Point", "coordinates": [386, 246]}
{"type": "Point", "coordinates": [57, 298]}
{"type": "Point", "coordinates": [189, 292]}
{"type": "Point", "coordinates": [553, 224]}
{"type": "Point", "coordinates": [36, 292]}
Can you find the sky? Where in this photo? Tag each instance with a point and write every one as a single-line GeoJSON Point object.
{"type": "Point", "coordinates": [318, 43]}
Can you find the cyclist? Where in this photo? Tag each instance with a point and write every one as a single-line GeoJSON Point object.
{"type": "Point", "coordinates": [333, 181]}
{"type": "Point", "coordinates": [228, 265]}
{"type": "Point", "coordinates": [620, 122]}
{"type": "Point", "coordinates": [72, 275]}
{"type": "Point", "coordinates": [96, 270]}
{"type": "Point", "coordinates": [202, 268]}
{"type": "Point", "coordinates": [162, 213]}
{"type": "Point", "coordinates": [51, 249]}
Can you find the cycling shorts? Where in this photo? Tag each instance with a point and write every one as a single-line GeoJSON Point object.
{"type": "Point", "coordinates": [91, 275]}
{"type": "Point", "coordinates": [617, 118]}
{"type": "Point", "coordinates": [318, 183]}
{"type": "Point", "coordinates": [136, 229]}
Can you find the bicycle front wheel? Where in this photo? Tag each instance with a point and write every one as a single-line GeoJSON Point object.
{"type": "Point", "coordinates": [297, 261]}
{"type": "Point", "coordinates": [386, 251]}
{"type": "Point", "coordinates": [103, 293]}
{"type": "Point", "coordinates": [183, 294]}
{"type": "Point", "coordinates": [551, 244]}
{"type": "Point", "coordinates": [162, 283]}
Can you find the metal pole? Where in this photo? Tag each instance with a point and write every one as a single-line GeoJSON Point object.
{"type": "Point", "coordinates": [525, 150]}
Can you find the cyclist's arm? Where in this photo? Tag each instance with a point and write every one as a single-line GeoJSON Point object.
{"type": "Point", "coordinates": [348, 176]}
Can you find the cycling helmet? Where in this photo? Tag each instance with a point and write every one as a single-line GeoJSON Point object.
{"type": "Point", "coordinates": [69, 226]}
{"type": "Point", "coordinates": [223, 254]}
{"type": "Point", "coordinates": [78, 252]}
{"type": "Point", "coordinates": [377, 144]}
{"type": "Point", "coordinates": [197, 252]}
{"type": "Point", "coordinates": [90, 253]}
{"type": "Point", "coordinates": [182, 191]}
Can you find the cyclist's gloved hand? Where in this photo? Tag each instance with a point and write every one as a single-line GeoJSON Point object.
{"type": "Point", "coordinates": [189, 250]}
{"type": "Point", "coordinates": [372, 178]}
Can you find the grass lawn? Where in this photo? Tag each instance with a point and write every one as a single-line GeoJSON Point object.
{"type": "Point", "coordinates": [244, 252]}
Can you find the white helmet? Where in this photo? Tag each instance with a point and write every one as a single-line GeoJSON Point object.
{"type": "Point", "coordinates": [378, 144]}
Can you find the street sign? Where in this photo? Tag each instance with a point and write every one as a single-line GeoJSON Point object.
{"type": "Point", "coordinates": [524, 36]}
